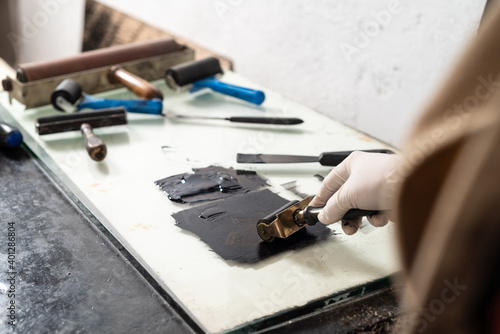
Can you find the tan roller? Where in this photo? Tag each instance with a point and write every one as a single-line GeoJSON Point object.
{"type": "Point", "coordinates": [96, 58]}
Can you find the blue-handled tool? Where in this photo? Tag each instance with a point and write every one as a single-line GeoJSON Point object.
{"type": "Point", "coordinates": [199, 74]}
{"type": "Point", "coordinates": [10, 137]}
{"type": "Point", "coordinates": [68, 96]}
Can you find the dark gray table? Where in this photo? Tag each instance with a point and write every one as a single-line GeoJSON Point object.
{"type": "Point", "coordinates": [70, 277]}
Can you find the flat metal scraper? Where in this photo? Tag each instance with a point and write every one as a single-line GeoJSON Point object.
{"type": "Point", "coordinates": [325, 159]}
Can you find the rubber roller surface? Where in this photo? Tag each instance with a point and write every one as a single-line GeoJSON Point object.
{"type": "Point", "coordinates": [96, 58]}
{"type": "Point", "coordinates": [68, 89]}
{"type": "Point", "coordinates": [189, 72]}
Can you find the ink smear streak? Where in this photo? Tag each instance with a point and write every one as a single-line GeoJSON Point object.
{"type": "Point", "coordinates": [209, 183]}
{"type": "Point", "coordinates": [211, 212]}
{"type": "Point", "coordinates": [229, 227]}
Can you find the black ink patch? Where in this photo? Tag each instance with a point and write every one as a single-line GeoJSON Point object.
{"type": "Point", "coordinates": [229, 227]}
{"type": "Point", "coordinates": [210, 183]}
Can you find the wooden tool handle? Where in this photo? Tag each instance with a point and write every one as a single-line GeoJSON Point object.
{"type": "Point", "coordinates": [137, 85]}
{"type": "Point", "coordinates": [94, 145]}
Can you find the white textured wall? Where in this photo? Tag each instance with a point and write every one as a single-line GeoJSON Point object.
{"type": "Point", "coordinates": [330, 55]}
{"type": "Point", "coordinates": [46, 29]}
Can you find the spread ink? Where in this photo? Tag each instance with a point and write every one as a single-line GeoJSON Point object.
{"type": "Point", "coordinates": [209, 184]}
{"type": "Point", "coordinates": [229, 227]}
{"type": "Point", "coordinates": [211, 212]}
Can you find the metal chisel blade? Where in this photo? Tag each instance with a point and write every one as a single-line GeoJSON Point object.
{"type": "Point", "coordinates": [273, 158]}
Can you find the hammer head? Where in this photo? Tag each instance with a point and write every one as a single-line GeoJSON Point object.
{"type": "Point", "coordinates": [74, 121]}
{"type": "Point", "coordinates": [189, 72]}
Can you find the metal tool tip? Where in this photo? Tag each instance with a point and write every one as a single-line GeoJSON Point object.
{"type": "Point", "coordinates": [248, 158]}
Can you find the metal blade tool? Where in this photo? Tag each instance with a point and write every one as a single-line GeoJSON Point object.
{"type": "Point", "coordinates": [325, 159]}
{"type": "Point", "coordinates": [246, 119]}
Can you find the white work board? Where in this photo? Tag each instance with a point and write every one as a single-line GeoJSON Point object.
{"type": "Point", "coordinates": [218, 295]}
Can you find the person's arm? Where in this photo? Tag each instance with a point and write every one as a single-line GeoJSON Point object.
{"type": "Point", "coordinates": [361, 181]}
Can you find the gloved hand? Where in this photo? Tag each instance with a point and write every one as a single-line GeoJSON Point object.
{"type": "Point", "coordinates": [363, 181]}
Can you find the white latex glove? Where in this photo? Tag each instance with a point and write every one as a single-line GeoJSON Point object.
{"type": "Point", "coordinates": [361, 181]}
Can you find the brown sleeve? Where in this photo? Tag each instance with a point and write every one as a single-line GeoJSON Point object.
{"type": "Point", "coordinates": [449, 203]}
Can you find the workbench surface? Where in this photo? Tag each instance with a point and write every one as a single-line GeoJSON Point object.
{"type": "Point", "coordinates": [217, 295]}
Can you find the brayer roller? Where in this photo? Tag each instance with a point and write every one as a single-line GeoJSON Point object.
{"type": "Point", "coordinates": [202, 74]}
{"type": "Point", "coordinates": [96, 58]}
{"type": "Point", "coordinates": [139, 63]}
{"type": "Point", "coordinates": [69, 92]}
{"type": "Point", "coordinates": [104, 57]}
{"type": "Point", "coordinates": [84, 122]}
{"type": "Point", "coordinates": [294, 216]}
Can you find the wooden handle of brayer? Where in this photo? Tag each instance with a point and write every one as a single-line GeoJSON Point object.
{"type": "Point", "coordinates": [310, 215]}
{"type": "Point", "coordinates": [94, 145]}
{"type": "Point", "coordinates": [137, 85]}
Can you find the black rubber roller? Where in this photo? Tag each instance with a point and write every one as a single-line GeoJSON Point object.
{"type": "Point", "coordinates": [186, 73]}
{"type": "Point", "coordinates": [21, 75]}
{"type": "Point", "coordinates": [272, 216]}
{"type": "Point", "coordinates": [68, 89]}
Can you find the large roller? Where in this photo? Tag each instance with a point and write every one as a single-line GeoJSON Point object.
{"type": "Point", "coordinates": [132, 65]}
{"type": "Point", "coordinates": [106, 57]}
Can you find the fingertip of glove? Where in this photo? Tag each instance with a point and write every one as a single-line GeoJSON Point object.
{"type": "Point", "coordinates": [350, 227]}
{"type": "Point", "coordinates": [378, 220]}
